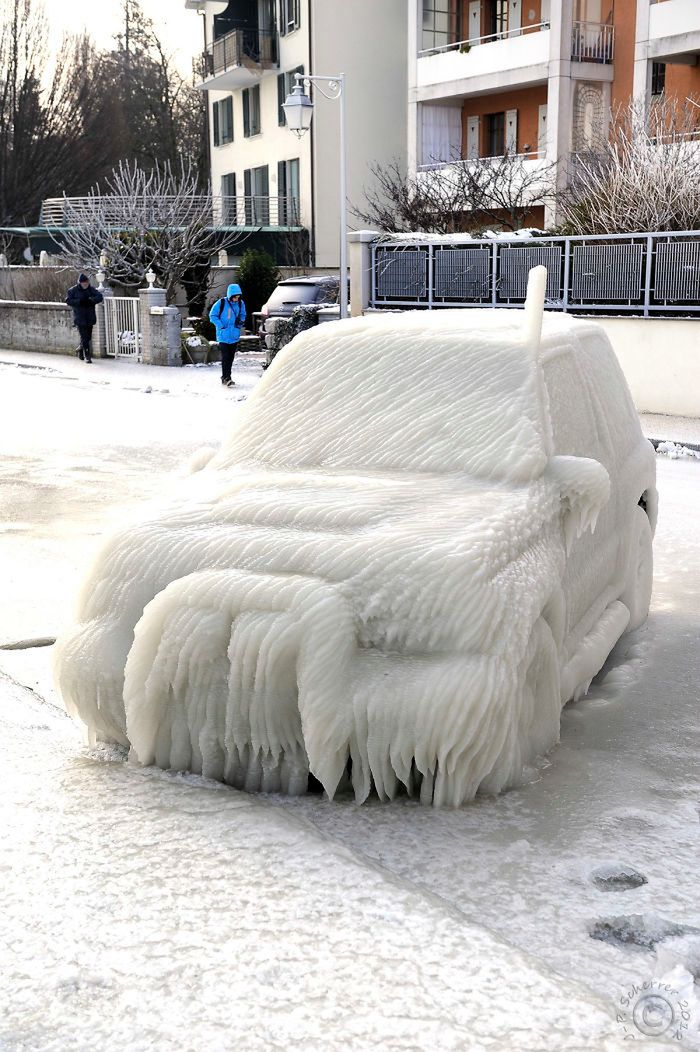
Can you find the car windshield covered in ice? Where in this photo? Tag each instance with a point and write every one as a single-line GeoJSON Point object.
{"type": "Point", "coordinates": [372, 396]}
{"type": "Point", "coordinates": [423, 535]}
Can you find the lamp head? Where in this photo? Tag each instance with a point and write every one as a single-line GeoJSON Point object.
{"type": "Point", "coordinates": [298, 111]}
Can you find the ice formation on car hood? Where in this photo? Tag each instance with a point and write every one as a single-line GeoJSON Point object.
{"type": "Point", "coordinates": [354, 585]}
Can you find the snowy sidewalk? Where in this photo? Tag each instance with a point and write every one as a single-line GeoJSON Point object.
{"type": "Point", "coordinates": [133, 376]}
{"type": "Point", "coordinates": [203, 380]}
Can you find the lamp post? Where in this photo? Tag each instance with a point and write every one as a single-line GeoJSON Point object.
{"type": "Point", "coordinates": [298, 111]}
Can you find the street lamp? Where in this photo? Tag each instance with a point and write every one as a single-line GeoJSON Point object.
{"type": "Point", "coordinates": [298, 111]}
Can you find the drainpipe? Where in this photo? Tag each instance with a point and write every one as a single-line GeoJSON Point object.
{"type": "Point", "coordinates": [207, 157]}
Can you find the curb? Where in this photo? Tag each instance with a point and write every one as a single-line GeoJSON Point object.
{"type": "Point", "coordinates": [695, 446]}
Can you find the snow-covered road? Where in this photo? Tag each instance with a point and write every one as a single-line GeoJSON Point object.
{"type": "Point", "coordinates": [150, 911]}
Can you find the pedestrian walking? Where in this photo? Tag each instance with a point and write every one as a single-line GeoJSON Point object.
{"type": "Point", "coordinates": [228, 315]}
{"type": "Point", "coordinates": [82, 298]}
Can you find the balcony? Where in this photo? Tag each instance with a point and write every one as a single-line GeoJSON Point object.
{"type": "Point", "coordinates": [254, 212]}
{"type": "Point", "coordinates": [592, 42]}
{"type": "Point", "coordinates": [674, 32]}
{"type": "Point", "coordinates": [511, 59]}
{"type": "Point", "coordinates": [237, 59]}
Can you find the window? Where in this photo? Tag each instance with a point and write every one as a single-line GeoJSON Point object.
{"type": "Point", "coordinates": [441, 23]}
{"type": "Point", "coordinates": [257, 196]}
{"type": "Point", "coordinates": [289, 16]}
{"type": "Point", "coordinates": [228, 199]}
{"type": "Point", "coordinates": [288, 192]}
{"type": "Point", "coordinates": [223, 121]}
{"type": "Point", "coordinates": [285, 83]}
{"type": "Point", "coordinates": [658, 78]}
{"type": "Point", "coordinates": [497, 17]}
{"type": "Point", "coordinates": [495, 135]}
{"type": "Point", "coordinates": [251, 111]}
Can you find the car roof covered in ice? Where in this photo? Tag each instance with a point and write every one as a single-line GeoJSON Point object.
{"type": "Point", "coordinates": [421, 391]}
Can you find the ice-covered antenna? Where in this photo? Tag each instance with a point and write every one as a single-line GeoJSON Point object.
{"type": "Point", "coordinates": [534, 305]}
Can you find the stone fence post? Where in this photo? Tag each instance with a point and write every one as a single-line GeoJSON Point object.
{"type": "Point", "coordinates": [99, 334]}
{"type": "Point", "coordinates": [360, 254]}
{"type": "Point", "coordinates": [160, 329]}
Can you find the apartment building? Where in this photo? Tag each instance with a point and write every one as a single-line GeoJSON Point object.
{"type": "Point", "coordinates": [539, 78]}
{"type": "Point", "coordinates": [266, 176]}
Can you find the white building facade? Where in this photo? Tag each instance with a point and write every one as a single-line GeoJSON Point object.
{"type": "Point", "coordinates": [268, 178]}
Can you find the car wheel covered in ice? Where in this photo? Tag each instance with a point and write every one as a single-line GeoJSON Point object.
{"type": "Point", "coordinates": [424, 534]}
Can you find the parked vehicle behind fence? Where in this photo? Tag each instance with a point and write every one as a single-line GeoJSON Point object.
{"type": "Point", "coordinates": [295, 292]}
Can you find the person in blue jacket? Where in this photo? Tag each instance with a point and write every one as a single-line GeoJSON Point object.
{"type": "Point", "coordinates": [228, 315]}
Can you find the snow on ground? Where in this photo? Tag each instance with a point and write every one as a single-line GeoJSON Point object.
{"type": "Point", "coordinates": [159, 912]}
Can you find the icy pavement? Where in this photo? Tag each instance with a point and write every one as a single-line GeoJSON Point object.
{"type": "Point", "coordinates": [147, 911]}
{"type": "Point", "coordinates": [679, 429]}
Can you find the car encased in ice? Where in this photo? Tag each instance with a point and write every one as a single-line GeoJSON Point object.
{"type": "Point", "coordinates": [423, 536]}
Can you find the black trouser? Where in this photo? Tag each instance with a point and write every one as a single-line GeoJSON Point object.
{"type": "Point", "coordinates": [85, 337]}
{"type": "Point", "coordinates": [228, 353]}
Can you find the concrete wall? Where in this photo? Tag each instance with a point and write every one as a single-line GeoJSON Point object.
{"type": "Point", "coordinates": [46, 327]}
{"type": "Point", "coordinates": [660, 358]}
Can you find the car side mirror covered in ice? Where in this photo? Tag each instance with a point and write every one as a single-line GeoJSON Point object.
{"type": "Point", "coordinates": [584, 488]}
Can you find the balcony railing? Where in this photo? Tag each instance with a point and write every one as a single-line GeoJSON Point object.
{"type": "Point", "coordinates": [240, 47]}
{"type": "Point", "coordinates": [466, 45]}
{"type": "Point", "coordinates": [592, 42]}
{"type": "Point", "coordinates": [171, 212]}
{"type": "Point", "coordinates": [433, 166]}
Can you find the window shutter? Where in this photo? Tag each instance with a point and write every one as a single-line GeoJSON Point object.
{"type": "Point", "coordinates": [281, 88]}
{"type": "Point", "coordinates": [511, 131]}
{"type": "Point", "coordinates": [283, 18]}
{"type": "Point", "coordinates": [515, 14]}
{"type": "Point", "coordinates": [215, 112]}
{"type": "Point", "coordinates": [248, 193]}
{"type": "Point", "coordinates": [229, 118]}
{"type": "Point", "coordinates": [255, 110]}
{"type": "Point", "coordinates": [246, 113]}
{"type": "Point", "coordinates": [472, 138]}
{"type": "Point", "coordinates": [542, 130]}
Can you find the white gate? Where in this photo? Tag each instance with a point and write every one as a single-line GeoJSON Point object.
{"type": "Point", "coordinates": [122, 327]}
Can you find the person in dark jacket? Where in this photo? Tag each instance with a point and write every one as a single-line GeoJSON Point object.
{"type": "Point", "coordinates": [228, 315]}
{"type": "Point", "coordinates": [82, 298]}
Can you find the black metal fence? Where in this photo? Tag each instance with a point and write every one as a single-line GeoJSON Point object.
{"type": "Point", "coordinates": [625, 273]}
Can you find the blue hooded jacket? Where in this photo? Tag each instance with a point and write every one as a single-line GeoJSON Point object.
{"type": "Point", "coordinates": [228, 316]}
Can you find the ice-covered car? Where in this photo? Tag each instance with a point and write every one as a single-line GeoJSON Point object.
{"type": "Point", "coordinates": [424, 534]}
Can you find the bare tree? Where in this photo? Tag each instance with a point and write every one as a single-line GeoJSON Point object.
{"type": "Point", "coordinates": [458, 196]}
{"type": "Point", "coordinates": [146, 219]}
{"type": "Point", "coordinates": [643, 177]}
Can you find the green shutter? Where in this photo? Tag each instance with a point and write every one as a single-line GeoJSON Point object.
{"type": "Point", "coordinates": [215, 109]}
{"type": "Point", "coordinates": [246, 113]}
{"type": "Point", "coordinates": [281, 86]}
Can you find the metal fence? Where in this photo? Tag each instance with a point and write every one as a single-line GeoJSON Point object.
{"type": "Point", "coordinates": [592, 42]}
{"type": "Point", "coordinates": [165, 212]}
{"type": "Point", "coordinates": [240, 47]}
{"type": "Point", "coordinates": [122, 329]}
{"type": "Point", "coordinates": [640, 274]}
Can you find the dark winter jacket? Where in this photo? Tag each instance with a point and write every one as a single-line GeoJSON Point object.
{"type": "Point", "coordinates": [83, 303]}
{"type": "Point", "coordinates": [228, 315]}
